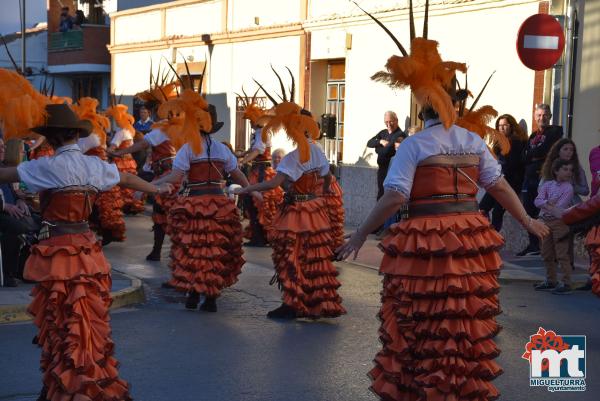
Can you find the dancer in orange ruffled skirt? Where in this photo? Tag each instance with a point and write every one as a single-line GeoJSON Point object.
{"type": "Point", "coordinates": [441, 262]}
{"type": "Point", "coordinates": [107, 215]}
{"type": "Point", "coordinates": [122, 139]}
{"type": "Point", "coordinates": [206, 232]}
{"type": "Point", "coordinates": [260, 216]}
{"type": "Point", "coordinates": [72, 295]}
{"type": "Point", "coordinates": [301, 235]}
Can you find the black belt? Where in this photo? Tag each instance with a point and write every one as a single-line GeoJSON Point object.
{"type": "Point", "coordinates": [52, 229]}
{"type": "Point", "coordinates": [433, 209]}
{"type": "Point", "coordinates": [293, 198]}
{"type": "Point", "coordinates": [202, 191]}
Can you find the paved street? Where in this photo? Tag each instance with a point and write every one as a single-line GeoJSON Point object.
{"type": "Point", "coordinates": [168, 353]}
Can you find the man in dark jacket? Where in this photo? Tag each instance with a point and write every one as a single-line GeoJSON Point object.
{"type": "Point", "coordinates": [538, 146]}
{"type": "Point", "coordinates": [383, 143]}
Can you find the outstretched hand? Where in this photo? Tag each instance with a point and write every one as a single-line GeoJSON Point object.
{"type": "Point", "coordinates": [165, 188]}
{"type": "Point", "coordinates": [538, 228]}
{"type": "Point", "coordinates": [353, 244]}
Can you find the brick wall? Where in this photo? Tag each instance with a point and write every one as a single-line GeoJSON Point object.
{"type": "Point", "coordinates": [95, 39]}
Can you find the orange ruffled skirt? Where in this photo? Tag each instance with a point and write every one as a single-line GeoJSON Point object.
{"type": "Point", "coordinates": [592, 243]}
{"type": "Point", "coordinates": [164, 203]}
{"type": "Point", "coordinates": [335, 211]}
{"type": "Point", "coordinates": [270, 206]}
{"type": "Point", "coordinates": [301, 242]}
{"type": "Point", "coordinates": [206, 237]}
{"type": "Point", "coordinates": [127, 164]}
{"type": "Point", "coordinates": [439, 302]}
{"type": "Point", "coordinates": [70, 308]}
{"type": "Point", "coordinates": [109, 205]}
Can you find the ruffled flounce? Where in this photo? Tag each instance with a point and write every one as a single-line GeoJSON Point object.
{"type": "Point", "coordinates": [335, 211]}
{"type": "Point", "coordinates": [439, 303]}
{"type": "Point", "coordinates": [110, 215]}
{"type": "Point", "coordinates": [270, 206]}
{"type": "Point", "coordinates": [206, 255]}
{"type": "Point", "coordinates": [131, 205]}
{"type": "Point", "coordinates": [70, 308]}
{"type": "Point", "coordinates": [164, 203]}
{"type": "Point", "coordinates": [592, 243]}
{"type": "Point", "coordinates": [301, 241]}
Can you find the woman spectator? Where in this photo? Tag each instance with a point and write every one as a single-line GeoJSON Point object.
{"type": "Point", "coordinates": [595, 169]}
{"type": "Point", "coordinates": [565, 149]}
{"type": "Point", "coordinates": [513, 166]}
{"type": "Point", "coordinates": [14, 152]}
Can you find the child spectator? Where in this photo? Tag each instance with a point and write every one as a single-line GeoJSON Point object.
{"type": "Point", "coordinates": [554, 197]}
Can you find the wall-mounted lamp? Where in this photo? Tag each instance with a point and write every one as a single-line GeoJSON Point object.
{"type": "Point", "coordinates": [348, 41]}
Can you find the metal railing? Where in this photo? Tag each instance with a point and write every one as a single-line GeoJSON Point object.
{"type": "Point", "coordinates": [60, 41]}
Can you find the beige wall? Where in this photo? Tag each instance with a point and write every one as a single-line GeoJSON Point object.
{"type": "Point", "coordinates": [269, 12]}
{"type": "Point", "coordinates": [586, 115]}
{"type": "Point", "coordinates": [194, 19]}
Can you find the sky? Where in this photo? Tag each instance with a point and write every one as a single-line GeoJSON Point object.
{"type": "Point", "coordinates": [10, 20]}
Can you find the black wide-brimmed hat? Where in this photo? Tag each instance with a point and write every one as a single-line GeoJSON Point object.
{"type": "Point", "coordinates": [60, 116]}
{"type": "Point", "coordinates": [216, 125]}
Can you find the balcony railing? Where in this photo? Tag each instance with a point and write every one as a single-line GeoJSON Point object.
{"type": "Point", "coordinates": [61, 41]}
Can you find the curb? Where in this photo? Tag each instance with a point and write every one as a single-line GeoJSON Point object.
{"type": "Point", "coordinates": [505, 280]}
{"type": "Point", "coordinates": [134, 294]}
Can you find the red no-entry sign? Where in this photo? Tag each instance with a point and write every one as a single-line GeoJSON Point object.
{"type": "Point", "coordinates": [540, 42]}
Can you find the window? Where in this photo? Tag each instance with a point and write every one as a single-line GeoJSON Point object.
{"type": "Point", "coordinates": [336, 94]}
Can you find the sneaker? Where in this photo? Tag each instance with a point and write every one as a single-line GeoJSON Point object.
{"type": "Point", "coordinates": [545, 286]}
{"type": "Point", "coordinates": [562, 289]}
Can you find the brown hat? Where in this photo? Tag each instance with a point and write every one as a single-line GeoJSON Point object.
{"type": "Point", "coordinates": [61, 116]}
{"type": "Point", "coordinates": [216, 125]}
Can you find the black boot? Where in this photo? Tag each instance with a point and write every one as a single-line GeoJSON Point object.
{"type": "Point", "coordinates": [283, 312]}
{"type": "Point", "coordinates": [209, 304]}
{"type": "Point", "coordinates": [192, 300]}
{"type": "Point", "coordinates": [159, 237]}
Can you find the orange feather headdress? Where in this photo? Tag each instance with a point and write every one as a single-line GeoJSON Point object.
{"type": "Point", "coordinates": [161, 89]}
{"type": "Point", "coordinates": [252, 111]}
{"type": "Point", "coordinates": [194, 109]}
{"type": "Point", "coordinates": [119, 113]}
{"type": "Point", "coordinates": [423, 70]}
{"type": "Point", "coordinates": [478, 120]}
{"type": "Point", "coordinates": [293, 119]}
{"type": "Point", "coordinates": [21, 106]}
{"type": "Point", "coordinates": [86, 109]}
{"type": "Point", "coordinates": [172, 126]}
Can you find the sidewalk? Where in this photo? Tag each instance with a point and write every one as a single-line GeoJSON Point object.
{"type": "Point", "coordinates": [527, 268]}
{"type": "Point", "coordinates": [126, 290]}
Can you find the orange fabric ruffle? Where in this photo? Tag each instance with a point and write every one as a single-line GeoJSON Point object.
{"type": "Point", "coordinates": [164, 203]}
{"type": "Point", "coordinates": [70, 308]}
{"type": "Point", "coordinates": [109, 214]}
{"type": "Point", "coordinates": [592, 243]}
{"type": "Point", "coordinates": [206, 251]}
{"type": "Point", "coordinates": [271, 204]}
{"type": "Point", "coordinates": [335, 210]}
{"type": "Point", "coordinates": [127, 164]}
{"type": "Point", "coordinates": [301, 241]}
{"type": "Point", "coordinates": [439, 302]}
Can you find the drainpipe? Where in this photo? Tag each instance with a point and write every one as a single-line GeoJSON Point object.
{"type": "Point", "coordinates": [23, 48]}
{"type": "Point", "coordinates": [573, 72]}
{"type": "Point", "coordinates": [567, 71]}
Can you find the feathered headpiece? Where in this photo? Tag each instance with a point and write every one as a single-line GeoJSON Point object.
{"type": "Point", "coordinates": [119, 113]}
{"type": "Point", "coordinates": [478, 120]}
{"type": "Point", "coordinates": [252, 111]}
{"type": "Point", "coordinates": [429, 77]}
{"type": "Point", "coordinates": [172, 126]}
{"type": "Point", "coordinates": [21, 106]}
{"type": "Point", "coordinates": [86, 109]}
{"type": "Point", "coordinates": [289, 116]}
{"type": "Point", "coordinates": [162, 88]}
{"type": "Point", "coordinates": [194, 109]}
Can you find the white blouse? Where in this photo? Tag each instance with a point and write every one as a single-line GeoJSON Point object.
{"type": "Point", "coordinates": [89, 142]}
{"type": "Point", "coordinates": [218, 152]}
{"type": "Point", "coordinates": [156, 137]}
{"type": "Point", "coordinates": [436, 140]}
{"type": "Point", "coordinates": [290, 164]}
{"type": "Point", "coordinates": [257, 142]}
{"type": "Point", "coordinates": [68, 167]}
{"type": "Point", "coordinates": [120, 136]}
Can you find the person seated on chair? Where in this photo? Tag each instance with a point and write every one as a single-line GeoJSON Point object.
{"type": "Point", "coordinates": [16, 220]}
